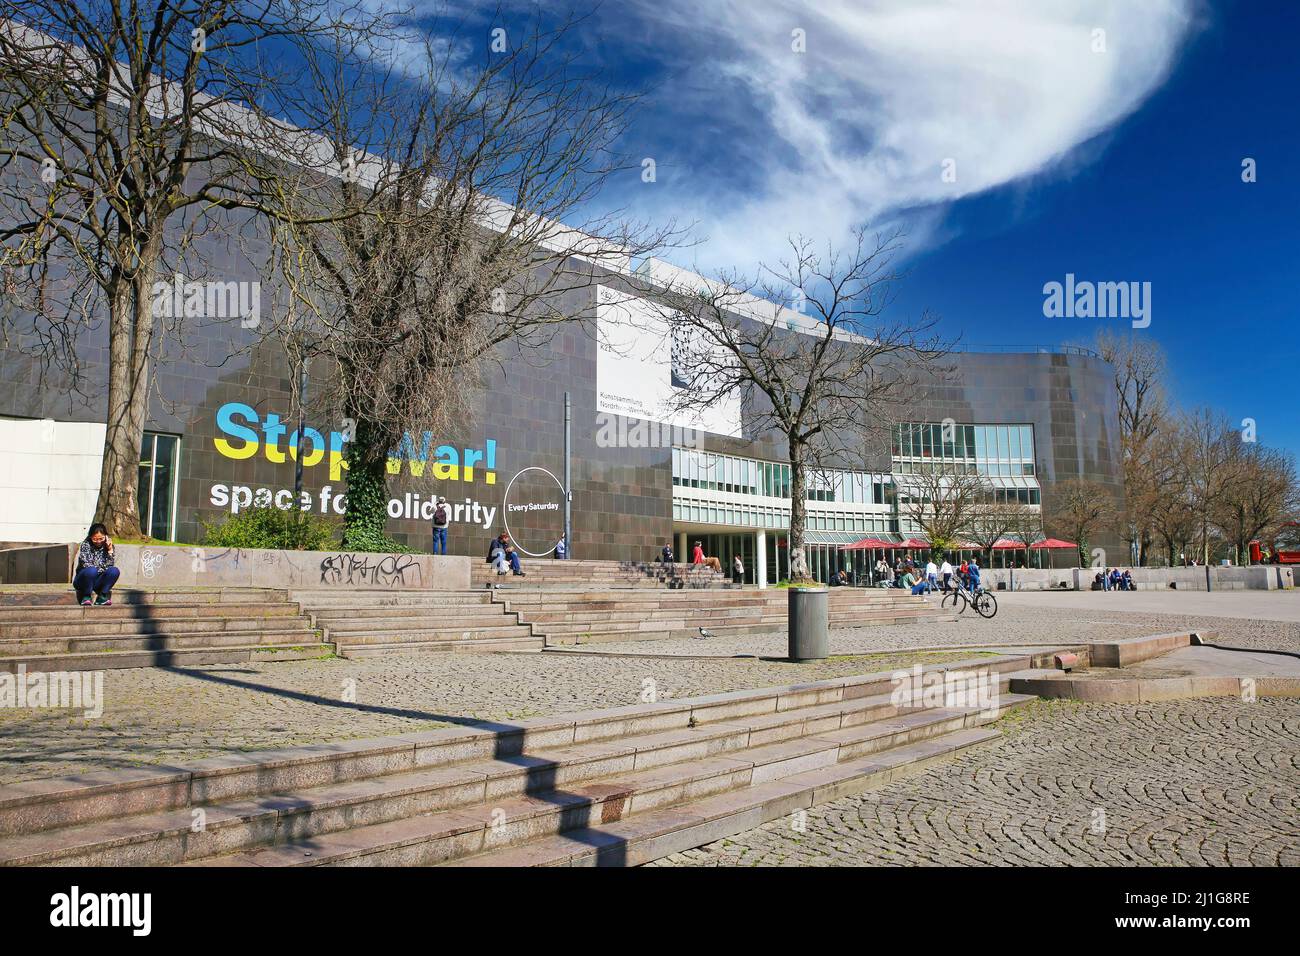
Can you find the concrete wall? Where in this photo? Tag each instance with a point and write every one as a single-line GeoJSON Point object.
{"type": "Point", "coordinates": [50, 564]}
{"type": "Point", "coordinates": [147, 566]}
{"type": "Point", "coordinates": [49, 478]}
{"type": "Point", "coordinates": [1257, 578]}
{"type": "Point", "coordinates": [1262, 577]}
{"type": "Point", "coordinates": [1027, 579]}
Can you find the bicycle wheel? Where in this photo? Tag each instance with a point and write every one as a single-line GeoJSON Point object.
{"type": "Point", "coordinates": [954, 600]}
{"type": "Point", "coordinates": [986, 605]}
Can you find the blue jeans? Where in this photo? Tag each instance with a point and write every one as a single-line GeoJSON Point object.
{"type": "Point", "coordinates": [98, 580]}
{"type": "Point", "coordinates": [439, 537]}
{"type": "Point", "coordinates": [499, 562]}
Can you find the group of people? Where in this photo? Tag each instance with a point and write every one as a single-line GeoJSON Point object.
{"type": "Point", "coordinates": [1113, 579]}
{"type": "Point", "coordinates": [908, 575]}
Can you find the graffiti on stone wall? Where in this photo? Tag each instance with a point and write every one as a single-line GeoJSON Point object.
{"type": "Point", "coordinates": [150, 562]}
{"type": "Point", "coordinates": [390, 570]}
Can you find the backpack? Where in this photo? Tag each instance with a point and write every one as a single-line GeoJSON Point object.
{"type": "Point", "coordinates": [440, 515]}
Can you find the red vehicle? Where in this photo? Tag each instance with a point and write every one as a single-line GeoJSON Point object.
{"type": "Point", "coordinates": [1285, 549]}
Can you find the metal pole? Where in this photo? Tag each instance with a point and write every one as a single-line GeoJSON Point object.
{"type": "Point", "coordinates": [302, 429]}
{"type": "Point", "coordinates": [568, 478]}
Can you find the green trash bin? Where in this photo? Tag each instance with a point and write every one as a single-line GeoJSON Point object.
{"type": "Point", "coordinates": [808, 619]}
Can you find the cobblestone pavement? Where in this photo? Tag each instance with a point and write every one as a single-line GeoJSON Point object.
{"type": "Point", "coordinates": [1192, 783]}
{"type": "Point", "coordinates": [161, 715]}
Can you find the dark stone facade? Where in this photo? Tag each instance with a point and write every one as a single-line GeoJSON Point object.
{"type": "Point", "coordinates": [622, 505]}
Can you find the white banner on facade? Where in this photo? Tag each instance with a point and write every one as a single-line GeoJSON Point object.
{"type": "Point", "coordinates": [634, 368]}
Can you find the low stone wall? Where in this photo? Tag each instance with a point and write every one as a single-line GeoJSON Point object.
{"type": "Point", "coordinates": [37, 564]}
{"type": "Point", "coordinates": [1260, 577]}
{"type": "Point", "coordinates": [153, 566]}
{"type": "Point", "coordinates": [1027, 579]}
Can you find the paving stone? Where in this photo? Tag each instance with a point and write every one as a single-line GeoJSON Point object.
{"type": "Point", "coordinates": [1211, 782]}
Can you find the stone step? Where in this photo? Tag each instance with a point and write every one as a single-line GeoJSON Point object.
{"type": "Point", "coordinates": [346, 599]}
{"type": "Point", "coordinates": [358, 618]}
{"type": "Point", "coordinates": [95, 643]}
{"type": "Point", "coordinates": [353, 638]}
{"type": "Point", "coordinates": [449, 836]}
{"type": "Point", "coordinates": [61, 613]}
{"type": "Point", "coordinates": [57, 803]}
{"type": "Point", "coordinates": [651, 836]}
{"type": "Point", "coordinates": [770, 597]}
{"type": "Point", "coordinates": [122, 596]}
{"type": "Point", "coordinates": [610, 787]}
{"type": "Point", "coordinates": [336, 806]}
{"type": "Point", "coordinates": [548, 613]}
{"type": "Point", "coordinates": [177, 657]}
{"type": "Point", "coordinates": [127, 628]}
{"type": "Point", "coordinates": [479, 645]}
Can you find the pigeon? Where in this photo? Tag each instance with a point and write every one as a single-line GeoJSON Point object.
{"type": "Point", "coordinates": [705, 633]}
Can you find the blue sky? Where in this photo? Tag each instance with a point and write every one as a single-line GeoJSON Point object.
{"type": "Point", "coordinates": [1117, 160]}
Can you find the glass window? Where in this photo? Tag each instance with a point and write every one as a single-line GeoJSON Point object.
{"type": "Point", "coordinates": [157, 485]}
{"type": "Point", "coordinates": [1014, 435]}
{"type": "Point", "coordinates": [981, 443]}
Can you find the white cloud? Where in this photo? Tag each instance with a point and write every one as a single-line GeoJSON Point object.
{"type": "Point", "coordinates": [857, 128]}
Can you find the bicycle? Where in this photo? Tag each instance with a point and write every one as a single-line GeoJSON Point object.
{"type": "Point", "coordinates": [985, 604]}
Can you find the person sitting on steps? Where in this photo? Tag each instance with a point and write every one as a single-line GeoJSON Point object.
{"type": "Point", "coordinates": [502, 553]}
{"type": "Point", "coordinates": [697, 557]}
{"type": "Point", "coordinates": [97, 570]}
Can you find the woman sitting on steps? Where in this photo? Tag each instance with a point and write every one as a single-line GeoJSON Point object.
{"type": "Point", "coordinates": [96, 568]}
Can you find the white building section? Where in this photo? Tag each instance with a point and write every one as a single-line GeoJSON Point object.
{"type": "Point", "coordinates": [49, 479]}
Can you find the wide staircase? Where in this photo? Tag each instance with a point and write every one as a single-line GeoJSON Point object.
{"type": "Point", "coordinates": [44, 629]}
{"type": "Point", "coordinates": [363, 623]}
{"type": "Point", "coordinates": [595, 575]}
{"type": "Point", "coordinates": [588, 617]}
{"type": "Point", "coordinates": [606, 787]}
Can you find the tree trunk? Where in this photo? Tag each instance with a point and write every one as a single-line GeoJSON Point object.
{"type": "Point", "coordinates": [365, 522]}
{"type": "Point", "coordinates": [798, 514]}
{"type": "Point", "coordinates": [118, 506]}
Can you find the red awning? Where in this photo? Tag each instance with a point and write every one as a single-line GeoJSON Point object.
{"type": "Point", "coordinates": [914, 543]}
{"type": "Point", "coordinates": [1006, 544]}
{"type": "Point", "coordinates": [867, 544]}
{"type": "Point", "coordinates": [1054, 544]}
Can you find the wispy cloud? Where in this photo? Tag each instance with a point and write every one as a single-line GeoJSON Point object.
{"type": "Point", "coordinates": [756, 141]}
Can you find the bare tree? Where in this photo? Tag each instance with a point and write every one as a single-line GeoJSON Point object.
{"type": "Point", "coordinates": [994, 520]}
{"type": "Point", "coordinates": [1259, 495]}
{"type": "Point", "coordinates": [1173, 513]}
{"type": "Point", "coordinates": [831, 381]}
{"type": "Point", "coordinates": [120, 119]}
{"type": "Point", "coordinates": [1140, 371]}
{"type": "Point", "coordinates": [1209, 445]}
{"type": "Point", "coordinates": [945, 502]}
{"type": "Point", "coordinates": [456, 227]}
{"type": "Point", "coordinates": [1079, 508]}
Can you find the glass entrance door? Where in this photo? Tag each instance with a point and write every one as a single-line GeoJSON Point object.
{"type": "Point", "coordinates": [157, 488]}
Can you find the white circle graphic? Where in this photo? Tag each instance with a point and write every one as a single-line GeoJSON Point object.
{"type": "Point", "coordinates": [505, 502]}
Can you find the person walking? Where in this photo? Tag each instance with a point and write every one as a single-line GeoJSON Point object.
{"type": "Point", "coordinates": [931, 575]}
{"type": "Point", "coordinates": [738, 570]}
{"type": "Point", "coordinates": [96, 570]}
{"type": "Point", "coordinates": [945, 573]}
{"type": "Point", "coordinates": [441, 522]}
